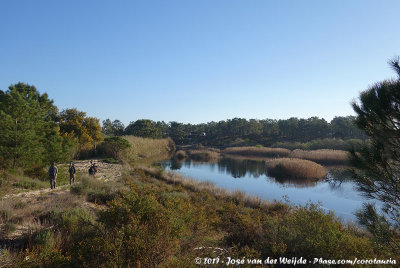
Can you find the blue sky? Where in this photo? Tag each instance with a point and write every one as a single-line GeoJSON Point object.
{"type": "Point", "coordinates": [199, 61]}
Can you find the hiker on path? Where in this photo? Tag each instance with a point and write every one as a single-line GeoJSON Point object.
{"type": "Point", "coordinates": [93, 168]}
{"type": "Point", "coordinates": [72, 171]}
{"type": "Point", "coordinates": [53, 170]}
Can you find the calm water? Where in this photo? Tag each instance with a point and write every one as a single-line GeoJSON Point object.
{"type": "Point", "coordinates": [250, 176]}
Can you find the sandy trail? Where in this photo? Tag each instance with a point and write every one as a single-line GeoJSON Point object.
{"type": "Point", "coordinates": [105, 171]}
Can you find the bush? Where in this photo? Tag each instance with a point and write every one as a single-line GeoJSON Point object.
{"type": "Point", "coordinates": [97, 191]}
{"type": "Point", "coordinates": [28, 183]}
{"type": "Point", "coordinates": [180, 155]}
{"type": "Point", "coordinates": [37, 172]}
{"type": "Point", "coordinates": [9, 227]}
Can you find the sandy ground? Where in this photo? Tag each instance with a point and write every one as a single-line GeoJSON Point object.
{"type": "Point", "coordinates": [105, 172]}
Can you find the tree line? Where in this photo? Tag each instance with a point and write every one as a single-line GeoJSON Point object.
{"type": "Point", "coordinates": [34, 132]}
{"type": "Point", "coordinates": [265, 132]}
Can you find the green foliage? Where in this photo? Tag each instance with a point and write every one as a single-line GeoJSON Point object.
{"type": "Point", "coordinates": [84, 131]}
{"type": "Point", "coordinates": [9, 227]}
{"type": "Point", "coordinates": [327, 143]}
{"type": "Point", "coordinates": [143, 128]}
{"type": "Point", "coordinates": [113, 146]}
{"type": "Point", "coordinates": [96, 190]}
{"type": "Point", "coordinates": [115, 128]}
{"type": "Point", "coordinates": [28, 183]}
{"type": "Point", "coordinates": [377, 164]}
{"type": "Point", "coordinates": [307, 232]}
{"type": "Point", "coordinates": [29, 132]}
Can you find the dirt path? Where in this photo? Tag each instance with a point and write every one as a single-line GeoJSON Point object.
{"type": "Point", "coordinates": [44, 199]}
{"type": "Point", "coordinates": [105, 172]}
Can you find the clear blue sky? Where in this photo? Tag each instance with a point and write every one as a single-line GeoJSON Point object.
{"type": "Point", "coordinates": [199, 61]}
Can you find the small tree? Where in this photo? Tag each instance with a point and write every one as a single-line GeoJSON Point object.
{"type": "Point", "coordinates": [377, 165]}
{"type": "Point", "coordinates": [114, 145]}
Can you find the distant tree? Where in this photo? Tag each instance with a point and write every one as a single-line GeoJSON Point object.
{"type": "Point", "coordinates": [377, 166]}
{"type": "Point", "coordinates": [115, 128]}
{"type": "Point", "coordinates": [86, 131]}
{"type": "Point", "coordinates": [143, 128]}
{"type": "Point", "coordinates": [118, 127]}
{"type": "Point", "coordinates": [29, 134]}
{"type": "Point", "coordinates": [115, 145]}
{"type": "Point", "coordinates": [177, 132]}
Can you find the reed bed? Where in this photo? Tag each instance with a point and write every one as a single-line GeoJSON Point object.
{"type": "Point", "coordinates": [196, 186]}
{"type": "Point", "coordinates": [323, 156]}
{"type": "Point", "coordinates": [256, 151]}
{"type": "Point", "coordinates": [204, 155]}
{"type": "Point", "coordinates": [147, 148]}
{"type": "Point", "coordinates": [295, 168]}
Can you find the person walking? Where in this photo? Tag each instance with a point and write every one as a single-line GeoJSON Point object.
{"type": "Point", "coordinates": [53, 171]}
{"type": "Point", "coordinates": [72, 171]}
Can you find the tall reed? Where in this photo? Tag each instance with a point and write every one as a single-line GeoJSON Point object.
{"type": "Point", "coordinates": [295, 168]}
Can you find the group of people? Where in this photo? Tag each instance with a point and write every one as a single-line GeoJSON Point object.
{"type": "Point", "coordinates": [53, 172]}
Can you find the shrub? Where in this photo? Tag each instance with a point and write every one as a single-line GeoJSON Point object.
{"type": "Point", "coordinates": [28, 183]}
{"type": "Point", "coordinates": [9, 227]}
{"type": "Point", "coordinates": [37, 172]}
{"type": "Point", "coordinates": [180, 155]}
{"type": "Point", "coordinates": [96, 190]}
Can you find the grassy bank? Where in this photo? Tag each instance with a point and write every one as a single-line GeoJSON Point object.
{"type": "Point", "coordinates": [323, 156]}
{"type": "Point", "coordinates": [257, 151]}
{"type": "Point", "coordinates": [167, 221]}
{"type": "Point", "coordinates": [147, 150]}
{"type": "Point", "coordinates": [204, 154]}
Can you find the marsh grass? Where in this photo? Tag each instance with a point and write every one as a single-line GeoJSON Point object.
{"type": "Point", "coordinates": [146, 150]}
{"type": "Point", "coordinates": [257, 151]}
{"type": "Point", "coordinates": [204, 155]}
{"type": "Point", "coordinates": [323, 156]}
{"type": "Point", "coordinates": [196, 186]}
{"type": "Point", "coordinates": [295, 168]}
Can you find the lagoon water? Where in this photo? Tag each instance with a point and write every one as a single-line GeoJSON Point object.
{"type": "Point", "coordinates": [250, 176]}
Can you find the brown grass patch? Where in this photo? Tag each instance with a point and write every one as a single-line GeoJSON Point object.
{"type": "Point", "coordinates": [323, 156]}
{"type": "Point", "coordinates": [256, 151]}
{"type": "Point", "coordinates": [295, 168]}
{"type": "Point", "coordinates": [204, 155]}
{"type": "Point", "coordinates": [143, 149]}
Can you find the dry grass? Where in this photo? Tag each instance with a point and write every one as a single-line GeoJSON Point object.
{"type": "Point", "coordinates": [143, 149]}
{"type": "Point", "coordinates": [256, 151]}
{"type": "Point", "coordinates": [323, 156]}
{"type": "Point", "coordinates": [204, 155]}
{"type": "Point", "coordinates": [295, 168]}
{"type": "Point", "coordinates": [197, 186]}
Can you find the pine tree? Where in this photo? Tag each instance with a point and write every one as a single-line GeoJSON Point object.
{"type": "Point", "coordinates": [377, 166]}
{"type": "Point", "coordinates": [29, 133]}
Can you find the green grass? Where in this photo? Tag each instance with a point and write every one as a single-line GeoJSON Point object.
{"type": "Point", "coordinates": [31, 184]}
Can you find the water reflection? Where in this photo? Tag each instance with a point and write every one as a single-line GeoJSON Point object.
{"type": "Point", "coordinates": [335, 192]}
{"type": "Point", "coordinates": [240, 168]}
